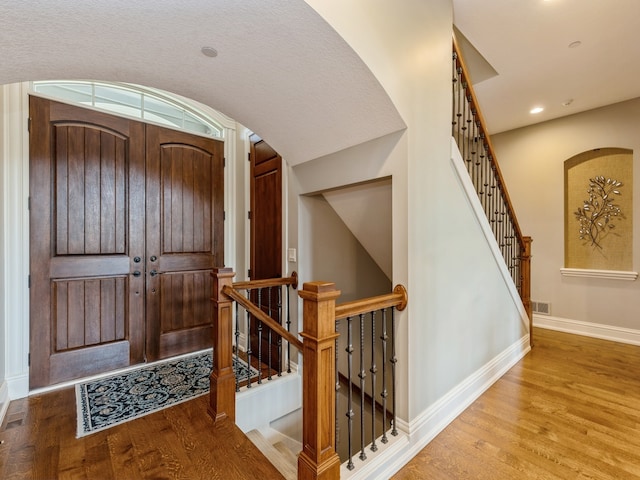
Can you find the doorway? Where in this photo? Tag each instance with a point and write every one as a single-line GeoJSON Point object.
{"type": "Point", "coordinates": [126, 223]}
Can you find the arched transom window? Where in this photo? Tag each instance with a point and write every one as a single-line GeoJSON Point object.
{"type": "Point", "coordinates": [129, 100]}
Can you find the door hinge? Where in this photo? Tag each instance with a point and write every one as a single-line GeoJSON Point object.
{"type": "Point", "coordinates": [28, 281]}
{"type": "Point", "coordinates": [29, 124]}
{"type": "Point", "coordinates": [224, 162]}
{"type": "Point", "coordinates": [224, 215]}
{"type": "Point", "coordinates": [249, 157]}
{"type": "Point", "coordinates": [249, 273]}
{"type": "Point", "coordinates": [29, 359]}
{"type": "Point", "coordinates": [249, 214]}
{"type": "Point", "coordinates": [28, 203]}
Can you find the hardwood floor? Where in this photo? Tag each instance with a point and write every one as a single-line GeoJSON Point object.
{"type": "Point", "coordinates": [569, 410]}
{"type": "Point", "coordinates": [181, 442]}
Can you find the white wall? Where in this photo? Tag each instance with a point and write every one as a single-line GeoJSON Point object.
{"type": "Point", "coordinates": [3, 254]}
{"type": "Point", "coordinates": [334, 254]}
{"type": "Point", "coordinates": [532, 161]}
{"type": "Point", "coordinates": [460, 313]}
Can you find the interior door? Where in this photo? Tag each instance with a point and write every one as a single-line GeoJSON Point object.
{"type": "Point", "coordinates": [185, 213]}
{"type": "Point", "coordinates": [266, 234]}
{"type": "Point", "coordinates": [87, 240]}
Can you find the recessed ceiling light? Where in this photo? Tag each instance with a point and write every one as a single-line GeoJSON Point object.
{"type": "Point", "coordinates": [575, 44]}
{"type": "Point", "coordinates": [536, 110]}
{"type": "Point", "coordinates": [209, 51]}
{"type": "Point", "coordinates": [567, 102]}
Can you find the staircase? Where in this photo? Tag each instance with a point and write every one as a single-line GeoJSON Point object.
{"type": "Point", "coordinates": [279, 452]}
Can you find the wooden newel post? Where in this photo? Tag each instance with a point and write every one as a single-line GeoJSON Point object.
{"type": "Point", "coordinates": [222, 396]}
{"type": "Point", "coordinates": [318, 459]}
{"type": "Point", "coordinates": [525, 271]}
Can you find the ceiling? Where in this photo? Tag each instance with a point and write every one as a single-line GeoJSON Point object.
{"type": "Point", "coordinates": [280, 69]}
{"type": "Point", "coordinates": [528, 44]}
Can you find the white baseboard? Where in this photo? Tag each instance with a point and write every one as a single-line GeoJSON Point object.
{"type": "Point", "coordinates": [4, 400]}
{"type": "Point", "coordinates": [432, 421]}
{"type": "Point", "coordinates": [587, 329]}
{"type": "Point", "coordinates": [18, 386]}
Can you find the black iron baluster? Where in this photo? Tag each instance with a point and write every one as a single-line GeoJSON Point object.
{"type": "Point", "coordinates": [384, 393]}
{"type": "Point", "coordinates": [394, 360]}
{"type": "Point", "coordinates": [349, 351]}
{"type": "Point", "coordinates": [337, 387]}
{"type": "Point", "coordinates": [373, 371]}
{"type": "Point", "coordinates": [259, 338]}
{"type": "Point", "coordinates": [269, 335]}
{"type": "Point", "coordinates": [279, 341]}
{"type": "Point", "coordinates": [362, 375]}
{"type": "Point", "coordinates": [454, 77]}
{"type": "Point", "coordinates": [288, 330]}
{"type": "Point", "coordinates": [237, 349]}
{"type": "Point", "coordinates": [249, 350]}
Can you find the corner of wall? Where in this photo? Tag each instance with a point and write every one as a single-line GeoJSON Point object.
{"type": "Point", "coordinates": [4, 400]}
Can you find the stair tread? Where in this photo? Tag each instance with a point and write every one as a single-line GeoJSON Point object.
{"type": "Point", "coordinates": [286, 452]}
{"type": "Point", "coordinates": [279, 460]}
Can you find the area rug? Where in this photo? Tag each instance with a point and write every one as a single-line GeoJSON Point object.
{"type": "Point", "coordinates": [112, 400]}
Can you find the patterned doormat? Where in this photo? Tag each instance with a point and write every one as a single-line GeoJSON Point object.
{"type": "Point", "coordinates": [112, 400]}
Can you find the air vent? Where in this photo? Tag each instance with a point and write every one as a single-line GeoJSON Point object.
{"type": "Point", "coordinates": [542, 308]}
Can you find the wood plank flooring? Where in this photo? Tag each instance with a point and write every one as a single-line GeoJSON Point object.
{"type": "Point", "coordinates": [569, 410]}
{"type": "Point", "coordinates": [181, 442]}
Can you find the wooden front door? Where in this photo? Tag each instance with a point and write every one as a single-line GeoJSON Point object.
{"type": "Point", "coordinates": [266, 233]}
{"type": "Point", "coordinates": [185, 214]}
{"type": "Point", "coordinates": [98, 293]}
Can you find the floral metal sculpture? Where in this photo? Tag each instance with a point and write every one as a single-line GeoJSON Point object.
{"type": "Point", "coordinates": [598, 214]}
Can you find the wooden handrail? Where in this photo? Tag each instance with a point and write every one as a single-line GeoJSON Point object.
{"type": "Point", "coordinates": [260, 315]}
{"type": "Point", "coordinates": [268, 282]}
{"type": "Point", "coordinates": [473, 101]}
{"type": "Point", "coordinates": [397, 299]}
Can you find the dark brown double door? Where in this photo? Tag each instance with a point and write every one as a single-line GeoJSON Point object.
{"type": "Point", "coordinates": [126, 225]}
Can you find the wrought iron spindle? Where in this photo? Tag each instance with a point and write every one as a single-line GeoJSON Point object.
{"type": "Point", "coordinates": [349, 351]}
{"type": "Point", "coordinates": [259, 338]}
{"type": "Point", "coordinates": [279, 341]}
{"type": "Point", "coordinates": [383, 340]}
{"type": "Point", "coordinates": [362, 375]}
{"type": "Point", "coordinates": [288, 330]}
{"type": "Point", "coordinates": [454, 82]}
{"type": "Point", "coordinates": [337, 387]}
{"type": "Point", "coordinates": [237, 345]}
{"type": "Point", "coordinates": [269, 335]}
{"type": "Point", "coordinates": [394, 360]}
{"type": "Point", "coordinates": [373, 371]}
{"type": "Point", "coordinates": [248, 340]}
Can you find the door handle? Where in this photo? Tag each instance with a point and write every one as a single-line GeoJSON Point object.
{"type": "Point", "coordinates": [153, 273]}
{"type": "Point", "coordinates": [136, 273]}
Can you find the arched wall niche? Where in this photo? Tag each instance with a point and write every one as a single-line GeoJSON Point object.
{"type": "Point", "coordinates": [598, 198]}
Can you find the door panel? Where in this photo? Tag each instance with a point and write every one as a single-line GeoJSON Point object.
{"type": "Point", "coordinates": [185, 207]}
{"type": "Point", "coordinates": [87, 311]}
{"type": "Point", "coordinates": [266, 236]}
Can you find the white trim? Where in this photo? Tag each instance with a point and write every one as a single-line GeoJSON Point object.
{"type": "Point", "coordinates": [607, 274]}
{"type": "Point", "coordinates": [15, 228]}
{"type": "Point", "coordinates": [4, 400]}
{"type": "Point", "coordinates": [472, 195]}
{"type": "Point", "coordinates": [588, 329]}
{"type": "Point", "coordinates": [18, 385]}
{"type": "Point", "coordinates": [426, 426]}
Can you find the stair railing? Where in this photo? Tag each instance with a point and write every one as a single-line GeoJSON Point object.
{"type": "Point", "coordinates": [319, 346]}
{"type": "Point", "coordinates": [373, 353]}
{"type": "Point", "coordinates": [469, 130]}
